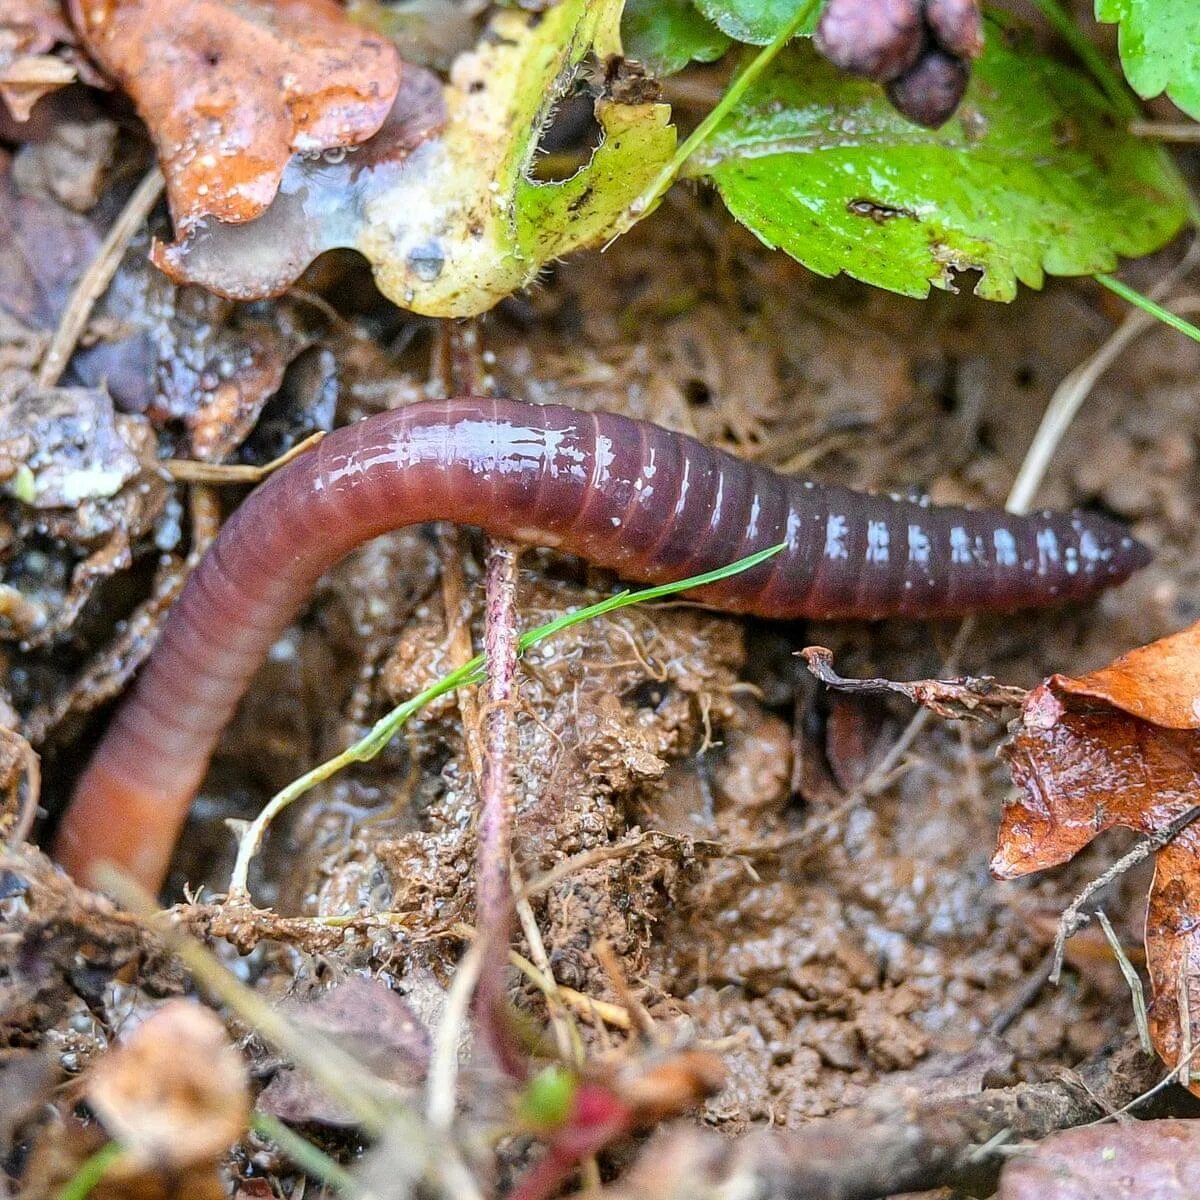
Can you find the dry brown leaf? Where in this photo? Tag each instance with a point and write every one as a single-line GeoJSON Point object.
{"type": "Point", "coordinates": [29, 30]}
{"type": "Point", "coordinates": [1086, 763]}
{"type": "Point", "coordinates": [231, 89]}
{"type": "Point", "coordinates": [175, 1094]}
{"type": "Point", "coordinates": [1145, 1160]}
{"type": "Point", "coordinates": [370, 1021]}
{"type": "Point", "coordinates": [44, 248]}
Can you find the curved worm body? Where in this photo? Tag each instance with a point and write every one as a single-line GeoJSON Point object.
{"type": "Point", "coordinates": [653, 505]}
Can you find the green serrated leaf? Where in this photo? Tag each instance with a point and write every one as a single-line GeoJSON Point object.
{"type": "Point", "coordinates": [1160, 47]}
{"type": "Point", "coordinates": [754, 21]}
{"type": "Point", "coordinates": [1035, 175]}
{"type": "Point", "coordinates": [666, 35]}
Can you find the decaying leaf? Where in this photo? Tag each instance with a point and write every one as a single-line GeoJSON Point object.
{"type": "Point", "coordinates": [1144, 1160]}
{"type": "Point", "coordinates": [44, 248]}
{"type": "Point", "coordinates": [1118, 747]}
{"type": "Point", "coordinates": [175, 1094]}
{"type": "Point", "coordinates": [231, 89]}
{"type": "Point", "coordinates": [969, 698]}
{"type": "Point", "coordinates": [371, 1022]}
{"type": "Point", "coordinates": [452, 223]}
{"type": "Point", "coordinates": [29, 31]}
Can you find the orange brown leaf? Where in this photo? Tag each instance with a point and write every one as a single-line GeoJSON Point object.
{"type": "Point", "coordinates": [231, 89]}
{"type": "Point", "coordinates": [1118, 747]}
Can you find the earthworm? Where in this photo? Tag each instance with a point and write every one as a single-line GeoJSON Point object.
{"type": "Point", "coordinates": [651, 504]}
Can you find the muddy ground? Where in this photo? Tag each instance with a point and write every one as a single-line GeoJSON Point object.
{"type": "Point", "coordinates": [821, 940]}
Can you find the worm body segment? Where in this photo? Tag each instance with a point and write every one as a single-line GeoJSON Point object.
{"type": "Point", "coordinates": [653, 505]}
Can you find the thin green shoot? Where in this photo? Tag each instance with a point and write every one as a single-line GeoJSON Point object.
{"type": "Point", "coordinates": [91, 1171]}
{"type": "Point", "coordinates": [728, 102]}
{"type": "Point", "coordinates": [312, 1160]}
{"type": "Point", "coordinates": [470, 673]}
{"type": "Point", "coordinates": [1151, 307]}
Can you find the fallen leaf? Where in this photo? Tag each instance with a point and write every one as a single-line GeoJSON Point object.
{"type": "Point", "coordinates": [70, 165]}
{"type": "Point", "coordinates": [452, 222]}
{"type": "Point", "coordinates": [20, 784]}
{"type": "Point", "coordinates": [1159, 683]}
{"type": "Point", "coordinates": [231, 89]}
{"type": "Point", "coordinates": [175, 1094]}
{"type": "Point", "coordinates": [1089, 755]}
{"type": "Point", "coordinates": [29, 31]}
{"type": "Point", "coordinates": [369, 1021]}
{"type": "Point", "coordinates": [1143, 1160]}
{"type": "Point", "coordinates": [44, 248]}
{"type": "Point", "coordinates": [62, 446]}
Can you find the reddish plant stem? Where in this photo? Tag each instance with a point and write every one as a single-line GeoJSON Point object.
{"type": "Point", "coordinates": [494, 901]}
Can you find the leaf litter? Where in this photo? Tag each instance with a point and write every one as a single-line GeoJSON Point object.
{"type": "Point", "coordinates": [773, 959]}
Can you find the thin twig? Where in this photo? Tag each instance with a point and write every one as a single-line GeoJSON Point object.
{"type": "Point", "coordinates": [1077, 385]}
{"type": "Point", "coordinates": [440, 1088]}
{"type": "Point", "coordinates": [189, 470]}
{"type": "Point", "coordinates": [1131, 979]}
{"type": "Point", "coordinates": [99, 274]}
{"type": "Point", "coordinates": [570, 1047]}
{"type": "Point", "coordinates": [1166, 131]}
{"type": "Point", "coordinates": [1073, 918]}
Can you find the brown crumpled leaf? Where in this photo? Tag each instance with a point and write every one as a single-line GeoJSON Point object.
{"type": "Point", "coordinates": [1143, 1160]}
{"type": "Point", "coordinates": [175, 1094]}
{"type": "Point", "coordinates": [44, 248]}
{"type": "Point", "coordinates": [231, 89]}
{"type": "Point", "coordinates": [371, 1022]}
{"type": "Point", "coordinates": [1117, 747]}
{"type": "Point", "coordinates": [968, 698]}
{"type": "Point", "coordinates": [29, 31]}
{"type": "Point", "coordinates": [70, 164]}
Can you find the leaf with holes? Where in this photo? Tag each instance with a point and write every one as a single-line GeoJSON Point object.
{"type": "Point", "coordinates": [442, 202]}
{"type": "Point", "coordinates": [1160, 47]}
{"type": "Point", "coordinates": [666, 35]}
{"type": "Point", "coordinates": [1034, 176]}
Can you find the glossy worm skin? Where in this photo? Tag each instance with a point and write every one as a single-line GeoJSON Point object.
{"type": "Point", "coordinates": [653, 505]}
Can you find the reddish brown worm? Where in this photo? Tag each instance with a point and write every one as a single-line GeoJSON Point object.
{"type": "Point", "coordinates": [653, 505]}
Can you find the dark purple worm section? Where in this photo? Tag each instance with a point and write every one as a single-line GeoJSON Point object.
{"type": "Point", "coordinates": [653, 505]}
